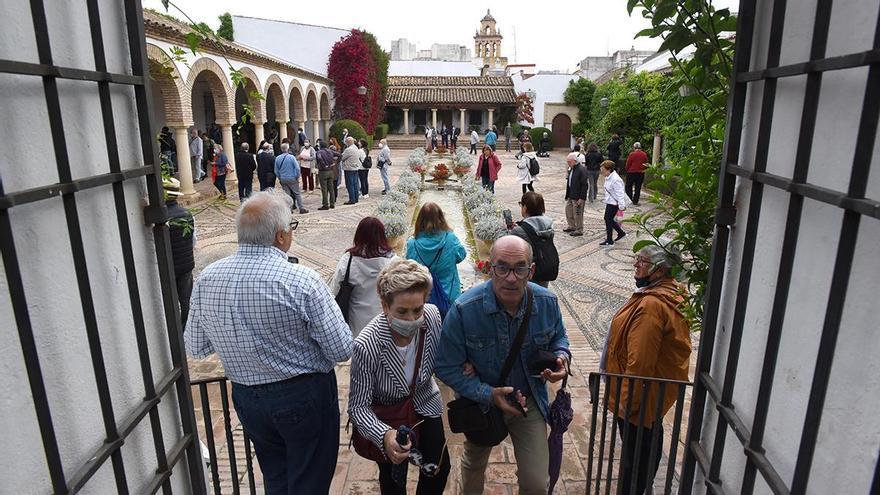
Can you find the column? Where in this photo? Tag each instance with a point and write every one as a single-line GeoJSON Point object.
{"type": "Point", "coordinates": [282, 130]}
{"type": "Point", "coordinates": [406, 120]}
{"type": "Point", "coordinates": [258, 134]}
{"type": "Point", "coordinates": [327, 126]}
{"type": "Point", "coordinates": [658, 139]}
{"type": "Point", "coordinates": [434, 117]}
{"type": "Point", "coordinates": [316, 130]}
{"type": "Point", "coordinates": [184, 164]}
{"type": "Point", "coordinates": [229, 149]}
{"type": "Point", "coordinates": [491, 117]}
{"type": "Point", "coordinates": [462, 116]}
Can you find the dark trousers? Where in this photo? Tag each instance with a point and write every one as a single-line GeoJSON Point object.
{"type": "Point", "coordinates": [610, 224]}
{"type": "Point", "coordinates": [528, 186]}
{"type": "Point", "coordinates": [647, 468]}
{"type": "Point", "coordinates": [245, 186]}
{"type": "Point", "coordinates": [184, 293]}
{"type": "Point", "coordinates": [488, 184]}
{"type": "Point", "coordinates": [493, 146]}
{"type": "Point", "coordinates": [473, 148]}
{"type": "Point", "coordinates": [267, 180]}
{"type": "Point", "coordinates": [634, 182]}
{"type": "Point", "coordinates": [220, 184]}
{"type": "Point", "coordinates": [363, 176]}
{"type": "Point", "coordinates": [352, 185]}
{"type": "Point", "coordinates": [592, 183]}
{"type": "Point", "coordinates": [430, 443]}
{"type": "Point", "coordinates": [294, 425]}
{"type": "Point", "coordinates": [308, 179]}
{"type": "Point", "coordinates": [327, 181]}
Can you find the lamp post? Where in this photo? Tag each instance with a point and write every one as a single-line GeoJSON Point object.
{"type": "Point", "coordinates": [603, 102]}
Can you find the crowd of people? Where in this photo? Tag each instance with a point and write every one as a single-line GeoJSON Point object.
{"type": "Point", "coordinates": [280, 330]}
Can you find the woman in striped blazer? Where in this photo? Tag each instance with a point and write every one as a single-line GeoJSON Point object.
{"type": "Point", "coordinates": [382, 369]}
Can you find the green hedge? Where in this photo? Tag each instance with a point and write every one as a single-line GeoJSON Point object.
{"type": "Point", "coordinates": [355, 130]}
{"type": "Point", "coordinates": [381, 131]}
{"type": "Point", "coordinates": [536, 133]}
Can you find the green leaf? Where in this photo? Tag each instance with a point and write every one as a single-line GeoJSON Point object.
{"type": "Point", "coordinates": [193, 40]}
{"type": "Point", "coordinates": [638, 245]}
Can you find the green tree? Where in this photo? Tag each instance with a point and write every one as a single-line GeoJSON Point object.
{"type": "Point", "coordinates": [580, 94]}
{"type": "Point", "coordinates": [225, 29]}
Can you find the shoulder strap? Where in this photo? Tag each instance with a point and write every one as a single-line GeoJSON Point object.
{"type": "Point", "coordinates": [348, 268]}
{"type": "Point", "coordinates": [529, 230]}
{"type": "Point", "coordinates": [421, 343]}
{"type": "Point", "coordinates": [517, 342]}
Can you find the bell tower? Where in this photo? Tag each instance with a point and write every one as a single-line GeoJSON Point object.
{"type": "Point", "coordinates": [487, 43]}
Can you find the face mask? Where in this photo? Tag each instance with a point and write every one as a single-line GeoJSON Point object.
{"type": "Point", "coordinates": [381, 145]}
{"type": "Point", "coordinates": [642, 282]}
{"type": "Point", "coordinates": [406, 328]}
{"type": "Point", "coordinates": [307, 145]}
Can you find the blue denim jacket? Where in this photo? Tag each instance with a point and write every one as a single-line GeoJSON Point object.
{"type": "Point", "coordinates": [476, 330]}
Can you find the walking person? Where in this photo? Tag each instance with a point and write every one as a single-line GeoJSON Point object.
{"type": "Point", "coordinates": [326, 160]}
{"type": "Point", "coordinates": [487, 168]}
{"type": "Point", "coordinates": [208, 145]}
{"type": "Point", "coordinates": [245, 165]}
{"type": "Point", "coordinates": [636, 164]}
{"type": "Point", "coordinates": [182, 232]}
{"type": "Point", "coordinates": [648, 337]}
{"type": "Point", "coordinates": [491, 138]}
{"type": "Point", "coordinates": [301, 141]}
{"type": "Point", "coordinates": [351, 163]}
{"type": "Point", "coordinates": [195, 155]}
{"type": "Point", "coordinates": [393, 363]}
{"type": "Point", "coordinates": [384, 162]}
{"type": "Point", "coordinates": [593, 161]}
{"type": "Point", "coordinates": [219, 168]}
{"type": "Point", "coordinates": [266, 166]}
{"type": "Point", "coordinates": [434, 245]}
{"type": "Point", "coordinates": [306, 162]}
{"type": "Point", "coordinates": [475, 139]}
{"type": "Point", "coordinates": [454, 137]}
{"type": "Point", "coordinates": [575, 195]}
{"type": "Point", "coordinates": [508, 133]}
{"type": "Point", "coordinates": [287, 171]}
{"type": "Point", "coordinates": [366, 165]}
{"type": "Point", "coordinates": [523, 169]}
{"type": "Point", "coordinates": [360, 267]}
{"type": "Point", "coordinates": [615, 200]}
{"type": "Point", "coordinates": [614, 150]}
{"type": "Point", "coordinates": [279, 334]}
{"type": "Point", "coordinates": [444, 134]}
{"type": "Point", "coordinates": [428, 139]}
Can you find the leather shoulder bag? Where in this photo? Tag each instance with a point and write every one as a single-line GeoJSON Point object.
{"type": "Point", "coordinates": [346, 288]}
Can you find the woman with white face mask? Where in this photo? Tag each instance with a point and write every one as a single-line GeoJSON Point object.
{"type": "Point", "coordinates": [392, 383]}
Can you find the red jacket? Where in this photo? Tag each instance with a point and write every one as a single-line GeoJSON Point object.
{"type": "Point", "coordinates": [636, 161]}
{"type": "Point", "coordinates": [494, 166]}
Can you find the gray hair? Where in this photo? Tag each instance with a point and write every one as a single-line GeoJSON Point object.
{"type": "Point", "coordinates": [284, 147]}
{"type": "Point", "coordinates": [262, 216]}
{"type": "Point", "coordinates": [637, 145]}
{"type": "Point", "coordinates": [245, 146]}
{"type": "Point", "coordinates": [402, 276]}
{"type": "Point", "coordinates": [349, 140]}
{"type": "Point", "coordinates": [659, 257]}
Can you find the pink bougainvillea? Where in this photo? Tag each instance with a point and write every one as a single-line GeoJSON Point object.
{"type": "Point", "coordinates": [350, 66]}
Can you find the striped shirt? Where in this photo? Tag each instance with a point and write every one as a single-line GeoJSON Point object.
{"type": "Point", "coordinates": [267, 319]}
{"type": "Point", "coordinates": [377, 375]}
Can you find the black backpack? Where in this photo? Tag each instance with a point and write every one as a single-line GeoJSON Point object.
{"type": "Point", "coordinates": [368, 162]}
{"type": "Point", "coordinates": [545, 254]}
{"type": "Point", "coordinates": [534, 167]}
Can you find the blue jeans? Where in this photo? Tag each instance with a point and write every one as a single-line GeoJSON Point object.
{"type": "Point", "coordinates": [352, 185]}
{"type": "Point", "coordinates": [488, 184]}
{"type": "Point", "coordinates": [383, 171]}
{"type": "Point", "coordinates": [294, 425]}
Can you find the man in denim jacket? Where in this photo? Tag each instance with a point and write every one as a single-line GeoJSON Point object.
{"type": "Point", "coordinates": [477, 334]}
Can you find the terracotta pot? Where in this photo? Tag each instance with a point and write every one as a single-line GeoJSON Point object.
{"type": "Point", "coordinates": [397, 244]}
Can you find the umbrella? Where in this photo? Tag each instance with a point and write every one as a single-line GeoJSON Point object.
{"type": "Point", "coordinates": [561, 415]}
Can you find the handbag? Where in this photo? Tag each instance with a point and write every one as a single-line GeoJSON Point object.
{"type": "Point", "coordinates": [343, 297]}
{"type": "Point", "coordinates": [394, 415]}
{"type": "Point", "coordinates": [488, 428]}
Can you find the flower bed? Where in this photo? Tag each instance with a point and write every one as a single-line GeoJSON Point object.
{"type": "Point", "coordinates": [396, 208]}
{"type": "Point", "coordinates": [484, 212]}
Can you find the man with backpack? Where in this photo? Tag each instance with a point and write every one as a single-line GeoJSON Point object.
{"type": "Point", "coordinates": [537, 229]}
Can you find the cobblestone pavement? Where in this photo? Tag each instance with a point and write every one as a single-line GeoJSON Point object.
{"type": "Point", "coordinates": [593, 283]}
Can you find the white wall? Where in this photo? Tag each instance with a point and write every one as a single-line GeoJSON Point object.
{"type": "Point", "coordinates": [849, 434]}
{"type": "Point", "coordinates": [548, 88]}
{"type": "Point", "coordinates": [41, 240]}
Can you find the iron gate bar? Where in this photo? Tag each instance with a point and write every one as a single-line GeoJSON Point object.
{"type": "Point", "coordinates": [174, 455]}
{"type": "Point", "coordinates": [77, 248]}
{"type": "Point", "coordinates": [209, 434]}
{"type": "Point", "coordinates": [58, 189]}
{"type": "Point", "coordinates": [846, 248]}
{"type": "Point", "coordinates": [162, 241]}
{"type": "Point", "coordinates": [230, 444]}
{"type": "Point", "coordinates": [676, 434]}
{"type": "Point", "coordinates": [726, 199]}
{"type": "Point", "coordinates": [840, 62]}
{"type": "Point", "coordinates": [29, 69]}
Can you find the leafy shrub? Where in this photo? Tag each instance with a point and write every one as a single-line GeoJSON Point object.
{"type": "Point", "coordinates": [486, 210]}
{"type": "Point", "coordinates": [386, 206]}
{"type": "Point", "coordinates": [397, 196]}
{"type": "Point", "coordinates": [381, 131]}
{"type": "Point", "coordinates": [480, 197]}
{"type": "Point", "coordinates": [396, 224]}
{"type": "Point", "coordinates": [489, 229]}
{"type": "Point", "coordinates": [409, 184]}
{"type": "Point", "coordinates": [536, 133]}
{"type": "Point", "coordinates": [355, 130]}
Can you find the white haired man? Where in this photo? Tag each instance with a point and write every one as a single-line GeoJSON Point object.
{"type": "Point", "coordinates": [288, 172]}
{"type": "Point", "coordinates": [351, 163]}
{"type": "Point", "coordinates": [279, 333]}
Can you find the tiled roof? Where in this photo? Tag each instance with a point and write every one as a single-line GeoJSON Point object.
{"type": "Point", "coordinates": [450, 90]}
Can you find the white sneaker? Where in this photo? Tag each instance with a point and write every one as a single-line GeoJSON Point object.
{"type": "Point", "coordinates": [366, 196]}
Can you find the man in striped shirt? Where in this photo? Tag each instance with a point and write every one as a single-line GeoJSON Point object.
{"type": "Point", "coordinates": [279, 334]}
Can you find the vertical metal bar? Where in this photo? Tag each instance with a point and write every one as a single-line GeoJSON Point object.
{"type": "Point", "coordinates": [593, 382]}
{"type": "Point", "coordinates": [875, 485]}
{"type": "Point", "coordinates": [673, 445]}
{"type": "Point", "coordinates": [840, 280]}
{"type": "Point", "coordinates": [768, 101]}
{"type": "Point", "coordinates": [624, 436]}
{"type": "Point", "coordinates": [602, 436]}
{"type": "Point", "coordinates": [230, 443]}
{"type": "Point", "coordinates": [613, 438]}
{"type": "Point", "coordinates": [125, 240]}
{"type": "Point", "coordinates": [209, 435]}
{"type": "Point", "coordinates": [657, 428]}
{"type": "Point", "coordinates": [56, 124]}
{"type": "Point", "coordinates": [137, 49]}
{"type": "Point", "coordinates": [726, 183]}
{"type": "Point", "coordinates": [249, 461]}
{"type": "Point", "coordinates": [30, 354]}
{"type": "Point", "coordinates": [640, 431]}
{"type": "Point", "coordinates": [789, 243]}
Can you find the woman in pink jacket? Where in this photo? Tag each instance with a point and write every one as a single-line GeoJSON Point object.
{"type": "Point", "coordinates": [488, 166]}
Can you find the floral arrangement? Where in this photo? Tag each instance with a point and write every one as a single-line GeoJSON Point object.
{"type": "Point", "coordinates": [462, 158]}
{"type": "Point", "coordinates": [418, 161]}
{"type": "Point", "coordinates": [477, 198]}
{"type": "Point", "coordinates": [461, 170]}
{"type": "Point", "coordinates": [486, 210]}
{"type": "Point", "coordinates": [397, 196]}
{"type": "Point", "coordinates": [396, 224]}
{"type": "Point", "coordinates": [440, 149]}
{"type": "Point", "coordinates": [409, 183]}
{"type": "Point", "coordinates": [483, 266]}
{"type": "Point", "coordinates": [440, 171]}
{"type": "Point", "coordinates": [387, 207]}
{"type": "Point", "coordinates": [488, 229]}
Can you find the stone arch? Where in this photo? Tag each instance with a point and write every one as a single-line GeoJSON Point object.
{"type": "Point", "coordinates": [324, 106]}
{"type": "Point", "coordinates": [252, 83]}
{"type": "Point", "coordinates": [274, 93]}
{"type": "Point", "coordinates": [297, 101]}
{"type": "Point", "coordinates": [312, 103]}
{"type": "Point", "coordinates": [218, 85]}
{"type": "Point", "coordinates": [172, 87]}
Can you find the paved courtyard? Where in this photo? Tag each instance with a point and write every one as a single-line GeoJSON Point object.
{"type": "Point", "coordinates": [593, 283]}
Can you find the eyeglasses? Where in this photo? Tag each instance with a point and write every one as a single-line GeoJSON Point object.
{"type": "Point", "coordinates": [293, 225]}
{"type": "Point", "coordinates": [640, 260]}
{"type": "Point", "coordinates": [520, 271]}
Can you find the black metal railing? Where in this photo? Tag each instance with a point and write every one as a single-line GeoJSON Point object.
{"type": "Point", "coordinates": [607, 471]}
{"type": "Point", "coordinates": [223, 481]}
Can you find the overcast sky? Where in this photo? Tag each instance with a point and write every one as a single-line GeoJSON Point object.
{"type": "Point", "coordinates": [553, 34]}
